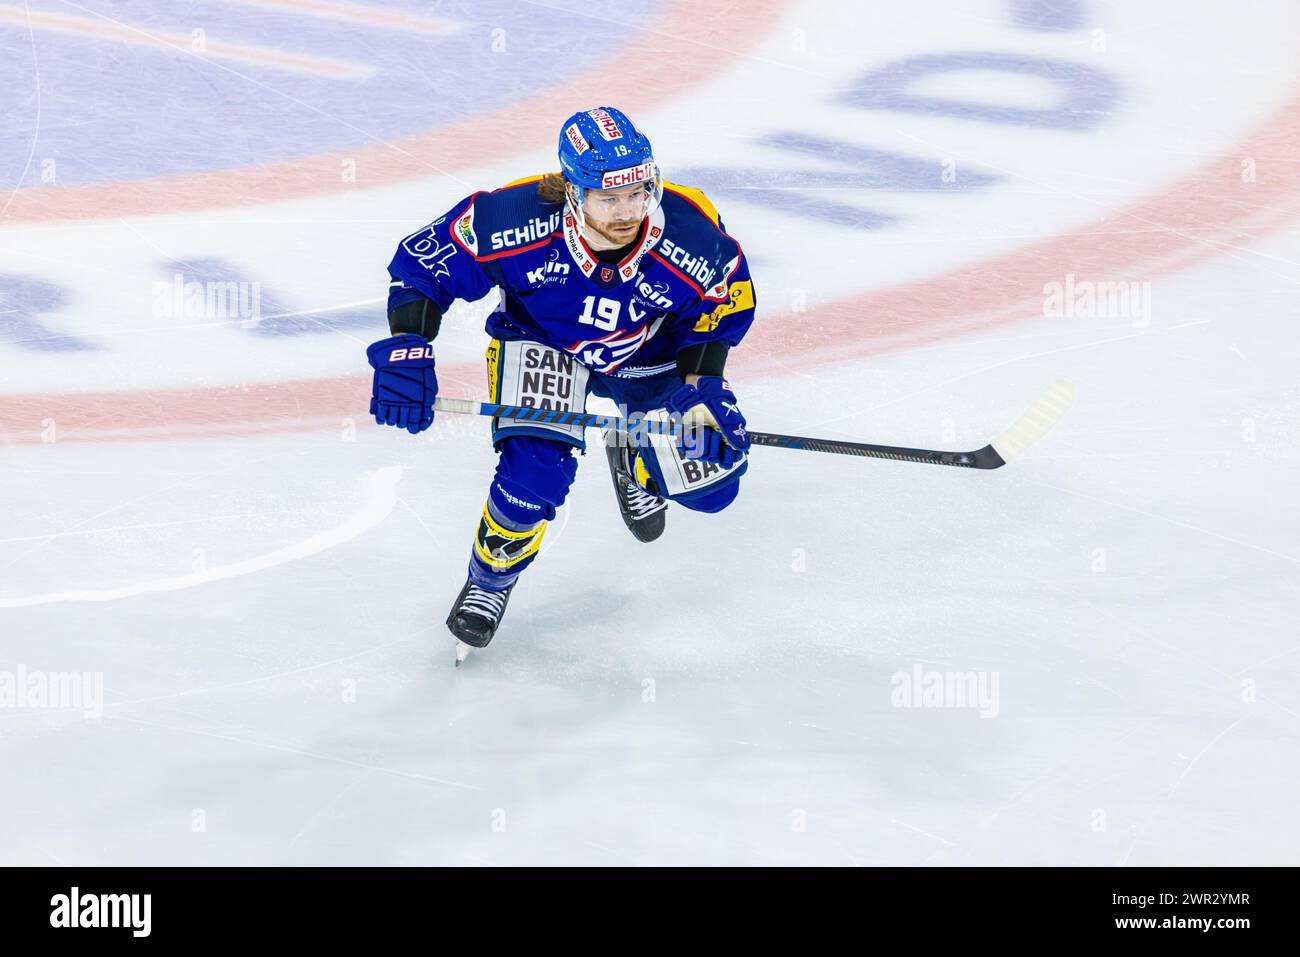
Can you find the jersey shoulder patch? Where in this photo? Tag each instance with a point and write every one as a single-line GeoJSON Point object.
{"type": "Point", "coordinates": [512, 219]}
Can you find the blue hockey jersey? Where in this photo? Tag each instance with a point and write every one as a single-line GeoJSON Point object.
{"type": "Point", "coordinates": [684, 282]}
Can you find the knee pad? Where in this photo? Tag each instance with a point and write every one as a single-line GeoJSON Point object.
{"type": "Point", "coordinates": [533, 477]}
{"type": "Point", "coordinates": [661, 468]}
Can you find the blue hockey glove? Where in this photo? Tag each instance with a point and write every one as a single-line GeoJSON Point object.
{"type": "Point", "coordinates": [405, 382]}
{"type": "Point", "coordinates": [713, 426]}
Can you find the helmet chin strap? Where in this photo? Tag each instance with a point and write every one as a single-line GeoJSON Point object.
{"type": "Point", "coordinates": [576, 207]}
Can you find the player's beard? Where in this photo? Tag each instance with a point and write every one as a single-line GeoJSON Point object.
{"type": "Point", "coordinates": [607, 235]}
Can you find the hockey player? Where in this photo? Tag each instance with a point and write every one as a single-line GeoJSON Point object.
{"type": "Point", "coordinates": [613, 283]}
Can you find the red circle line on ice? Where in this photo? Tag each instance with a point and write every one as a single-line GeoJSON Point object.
{"type": "Point", "coordinates": [636, 75]}
{"type": "Point", "coordinates": [1195, 217]}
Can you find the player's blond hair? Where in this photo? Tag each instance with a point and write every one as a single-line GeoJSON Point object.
{"type": "Point", "coordinates": [550, 188]}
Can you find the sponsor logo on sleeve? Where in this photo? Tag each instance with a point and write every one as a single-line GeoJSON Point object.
{"type": "Point", "coordinates": [740, 297]}
{"type": "Point", "coordinates": [697, 267]}
{"type": "Point", "coordinates": [429, 251]}
{"type": "Point", "coordinates": [531, 231]}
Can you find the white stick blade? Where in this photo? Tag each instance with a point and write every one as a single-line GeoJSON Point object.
{"type": "Point", "coordinates": [462, 406]}
{"type": "Point", "coordinates": [1034, 424]}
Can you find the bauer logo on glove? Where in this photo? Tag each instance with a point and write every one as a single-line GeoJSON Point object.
{"type": "Point", "coordinates": [399, 355]}
{"type": "Point", "coordinates": [403, 396]}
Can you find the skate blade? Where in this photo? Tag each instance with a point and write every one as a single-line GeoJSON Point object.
{"type": "Point", "coordinates": [462, 652]}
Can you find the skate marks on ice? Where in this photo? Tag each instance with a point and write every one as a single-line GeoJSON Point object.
{"type": "Point", "coordinates": [378, 499]}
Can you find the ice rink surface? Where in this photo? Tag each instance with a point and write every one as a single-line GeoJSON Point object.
{"type": "Point", "coordinates": [1088, 657]}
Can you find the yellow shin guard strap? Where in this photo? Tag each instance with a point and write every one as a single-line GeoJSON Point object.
{"type": "Point", "coordinates": [503, 548]}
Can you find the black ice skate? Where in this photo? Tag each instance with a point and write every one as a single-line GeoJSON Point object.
{"type": "Point", "coordinates": [475, 616]}
{"type": "Point", "coordinates": [643, 512]}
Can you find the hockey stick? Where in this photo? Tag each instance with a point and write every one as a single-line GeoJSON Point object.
{"type": "Point", "coordinates": [1028, 429]}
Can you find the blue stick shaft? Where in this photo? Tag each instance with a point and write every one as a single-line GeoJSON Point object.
{"type": "Point", "coordinates": [984, 458]}
{"type": "Point", "coordinates": [586, 420]}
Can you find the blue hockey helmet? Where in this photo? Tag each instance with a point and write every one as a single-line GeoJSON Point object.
{"type": "Point", "coordinates": [603, 149]}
